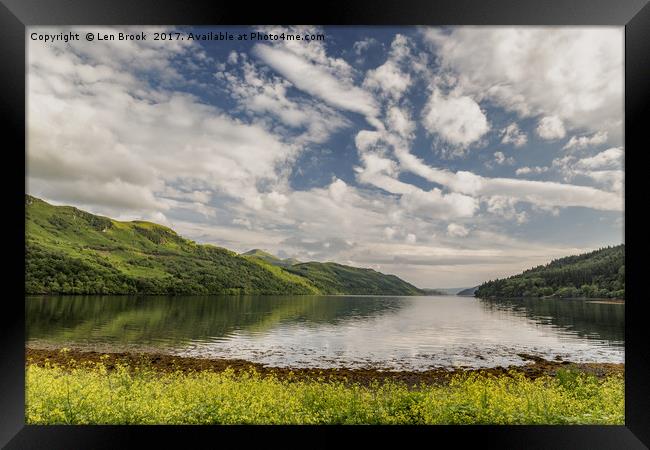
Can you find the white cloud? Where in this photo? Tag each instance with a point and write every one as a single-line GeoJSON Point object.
{"type": "Point", "coordinates": [233, 57]}
{"type": "Point", "coordinates": [583, 142]}
{"type": "Point", "coordinates": [458, 120]}
{"type": "Point", "coordinates": [535, 169]}
{"type": "Point", "coordinates": [318, 79]}
{"type": "Point", "coordinates": [399, 122]}
{"type": "Point", "coordinates": [605, 168]}
{"type": "Point", "coordinates": [389, 232]}
{"type": "Point", "coordinates": [574, 73]}
{"type": "Point", "coordinates": [541, 193]}
{"type": "Point", "coordinates": [100, 135]}
{"type": "Point", "coordinates": [609, 159]}
{"type": "Point", "coordinates": [359, 47]}
{"type": "Point", "coordinates": [550, 128]}
{"type": "Point", "coordinates": [456, 230]}
{"type": "Point", "coordinates": [381, 172]}
{"type": "Point", "coordinates": [513, 135]}
{"type": "Point", "coordinates": [389, 80]}
{"type": "Point", "coordinates": [411, 238]}
{"type": "Point", "coordinates": [501, 159]}
{"type": "Point", "coordinates": [505, 207]}
{"type": "Point", "coordinates": [266, 96]}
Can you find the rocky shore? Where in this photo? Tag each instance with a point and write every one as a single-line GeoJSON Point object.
{"type": "Point", "coordinates": [536, 367]}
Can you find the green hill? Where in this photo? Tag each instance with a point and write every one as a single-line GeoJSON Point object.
{"type": "Point", "coordinates": [70, 251]}
{"type": "Point", "coordinates": [269, 258]}
{"type": "Point", "coordinates": [598, 274]}
{"type": "Point", "coordinates": [332, 278]}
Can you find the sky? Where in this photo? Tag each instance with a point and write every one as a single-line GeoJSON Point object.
{"type": "Point", "coordinates": [447, 156]}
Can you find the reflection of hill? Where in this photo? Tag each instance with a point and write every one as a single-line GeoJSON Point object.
{"type": "Point", "coordinates": [604, 321]}
{"type": "Point", "coordinates": [147, 320]}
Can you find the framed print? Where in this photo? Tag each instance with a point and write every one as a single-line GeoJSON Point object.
{"type": "Point", "coordinates": [393, 219]}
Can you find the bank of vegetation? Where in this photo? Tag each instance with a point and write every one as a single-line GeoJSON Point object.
{"type": "Point", "coordinates": [108, 393]}
{"type": "Point", "coordinates": [597, 274]}
{"type": "Point", "coordinates": [70, 251]}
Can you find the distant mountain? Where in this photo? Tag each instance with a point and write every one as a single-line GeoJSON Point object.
{"type": "Point", "coordinates": [429, 291]}
{"type": "Point", "coordinates": [467, 292]}
{"type": "Point", "coordinates": [597, 274]}
{"type": "Point", "coordinates": [454, 291]}
{"type": "Point", "coordinates": [269, 258]}
{"type": "Point", "coordinates": [446, 291]}
{"type": "Point", "coordinates": [70, 251]}
{"type": "Point", "coordinates": [333, 278]}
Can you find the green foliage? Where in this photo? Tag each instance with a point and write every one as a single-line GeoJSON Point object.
{"type": "Point", "coordinates": [257, 254]}
{"type": "Point", "coordinates": [332, 278]}
{"type": "Point", "coordinates": [598, 274]}
{"type": "Point", "coordinates": [94, 395]}
{"type": "Point", "coordinates": [69, 251]}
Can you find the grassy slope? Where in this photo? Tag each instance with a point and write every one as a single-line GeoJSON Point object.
{"type": "Point", "coordinates": [332, 278]}
{"type": "Point", "coordinates": [600, 273]}
{"type": "Point", "coordinates": [70, 251]}
{"type": "Point", "coordinates": [257, 254]}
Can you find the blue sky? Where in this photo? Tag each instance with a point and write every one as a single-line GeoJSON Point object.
{"type": "Point", "coordinates": [447, 156]}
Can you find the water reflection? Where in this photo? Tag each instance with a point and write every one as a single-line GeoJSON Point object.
{"type": "Point", "coordinates": [312, 331]}
{"type": "Point", "coordinates": [585, 318]}
{"type": "Point", "coordinates": [173, 320]}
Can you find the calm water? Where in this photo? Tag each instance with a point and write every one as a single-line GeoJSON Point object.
{"type": "Point", "coordinates": [414, 333]}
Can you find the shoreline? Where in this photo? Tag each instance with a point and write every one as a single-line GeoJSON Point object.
{"type": "Point", "coordinates": [538, 367]}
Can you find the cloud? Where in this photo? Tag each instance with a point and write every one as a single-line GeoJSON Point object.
{"type": "Point", "coordinates": [361, 46]}
{"type": "Point", "coordinates": [121, 135]}
{"type": "Point", "coordinates": [609, 159]}
{"type": "Point", "coordinates": [501, 159]}
{"type": "Point", "coordinates": [513, 135]}
{"type": "Point", "coordinates": [102, 136]}
{"type": "Point", "coordinates": [605, 168]}
{"type": "Point", "coordinates": [458, 120]}
{"type": "Point", "coordinates": [525, 170]}
{"type": "Point", "coordinates": [266, 96]}
{"type": "Point", "coordinates": [505, 207]}
{"type": "Point", "coordinates": [381, 172]}
{"type": "Point", "coordinates": [411, 238]}
{"type": "Point", "coordinates": [318, 79]}
{"type": "Point", "coordinates": [456, 230]}
{"type": "Point", "coordinates": [399, 122]}
{"type": "Point", "coordinates": [389, 80]}
{"type": "Point", "coordinates": [573, 73]}
{"type": "Point", "coordinates": [582, 142]}
{"type": "Point", "coordinates": [541, 193]}
{"type": "Point", "coordinates": [550, 128]}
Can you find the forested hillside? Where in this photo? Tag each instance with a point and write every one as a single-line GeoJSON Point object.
{"type": "Point", "coordinates": [332, 278]}
{"type": "Point", "coordinates": [70, 251]}
{"type": "Point", "coordinates": [598, 274]}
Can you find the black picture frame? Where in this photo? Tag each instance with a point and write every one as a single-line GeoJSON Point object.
{"type": "Point", "coordinates": [15, 15]}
